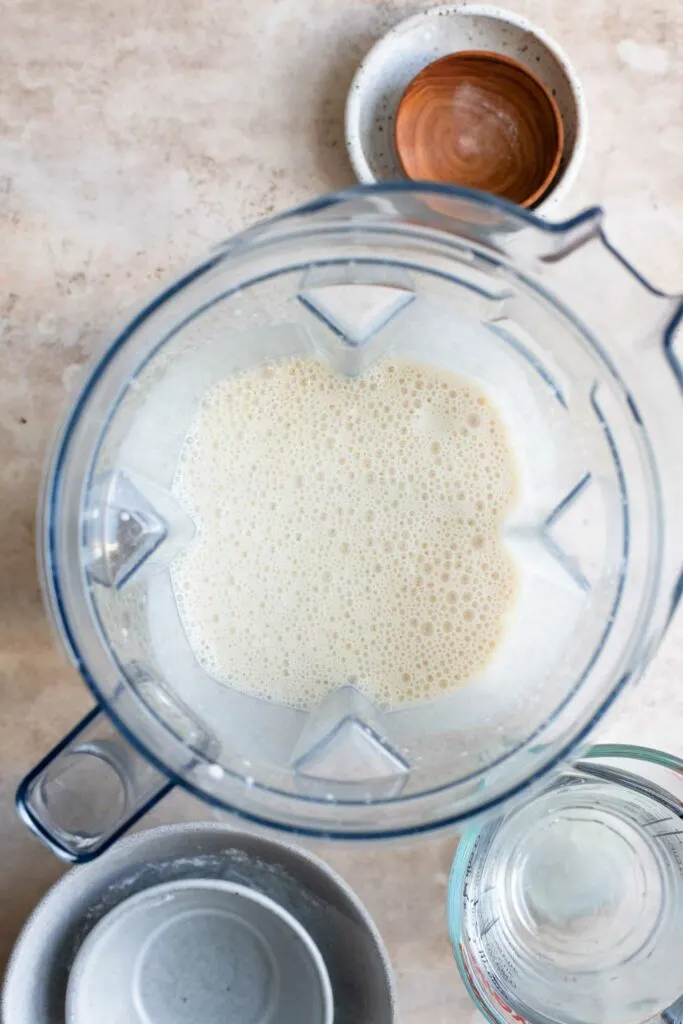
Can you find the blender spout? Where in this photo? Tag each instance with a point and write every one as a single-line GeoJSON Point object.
{"type": "Point", "coordinates": [608, 297]}
{"type": "Point", "coordinates": [569, 237]}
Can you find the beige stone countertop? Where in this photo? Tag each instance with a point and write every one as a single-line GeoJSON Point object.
{"type": "Point", "coordinates": [134, 135]}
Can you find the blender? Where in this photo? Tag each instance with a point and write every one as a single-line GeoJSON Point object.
{"type": "Point", "coordinates": [447, 277]}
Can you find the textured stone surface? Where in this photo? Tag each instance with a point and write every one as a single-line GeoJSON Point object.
{"type": "Point", "coordinates": [132, 136]}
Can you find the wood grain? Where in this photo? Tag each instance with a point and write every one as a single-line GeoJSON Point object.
{"type": "Point", "coordinates": [482, 120]}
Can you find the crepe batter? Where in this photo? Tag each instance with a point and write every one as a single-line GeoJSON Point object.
{"type": "Point", "coordinates": [349, 531]}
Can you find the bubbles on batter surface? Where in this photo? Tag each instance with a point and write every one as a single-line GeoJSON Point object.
{"type": "Point", "coordinates": [349, 530]}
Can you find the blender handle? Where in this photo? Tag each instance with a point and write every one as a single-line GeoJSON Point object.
{"type": "Point", "coordinates": [88, 790]}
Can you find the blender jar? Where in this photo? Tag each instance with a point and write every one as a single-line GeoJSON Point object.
{"type": "Point", "coordinates": [579, 355]}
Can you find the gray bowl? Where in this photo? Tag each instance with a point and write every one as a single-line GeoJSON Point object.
{"type": "Point", "coordinates": [199, 950]}
{"type": "Point", "coordinates": [37, 976]}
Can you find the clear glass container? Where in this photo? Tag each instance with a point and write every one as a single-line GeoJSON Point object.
{"type": "Point", "coordinates": [579, 355]}
{"type": "Point", "coordinates": [569, 910]}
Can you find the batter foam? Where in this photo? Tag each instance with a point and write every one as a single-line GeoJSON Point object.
{"type": "Point", "coordinates": [348, 530]}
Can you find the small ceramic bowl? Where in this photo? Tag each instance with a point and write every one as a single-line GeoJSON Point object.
{"type": "Point", "coordinates": [410, 46]}
{"type": "Point", "coordinates": [480, 120]}
{"type": "Point", "coordinates": [199, 950]}
{"type": "Point", "coordinates": [35, 986]}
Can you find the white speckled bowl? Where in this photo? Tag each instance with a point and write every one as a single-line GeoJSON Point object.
{"type": "Point", "coordinates": [411, 45]}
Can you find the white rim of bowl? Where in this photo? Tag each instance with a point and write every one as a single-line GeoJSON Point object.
{"type": "Point", "coordinates": [181, 885]}
{"type": "Point", "coordinates": [353, 102]}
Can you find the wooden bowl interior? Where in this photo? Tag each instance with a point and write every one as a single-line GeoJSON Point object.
{"type": "Point", "coordinates": [481, 120]}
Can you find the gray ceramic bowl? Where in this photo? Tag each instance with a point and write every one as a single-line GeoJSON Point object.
{"type": "Point", "coordinates": [37, 976]}
{"type": "Point", "coordinates": [199, 950]}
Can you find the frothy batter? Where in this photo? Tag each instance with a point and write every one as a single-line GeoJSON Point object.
{"type": "Point", "coordinates": [349, 530]}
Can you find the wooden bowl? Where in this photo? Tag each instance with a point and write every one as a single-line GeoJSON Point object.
{"type": "Point", "coordinates": [482, 120]}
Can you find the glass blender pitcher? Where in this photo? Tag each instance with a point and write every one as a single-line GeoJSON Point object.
{"type": "Point", "coordinates": [578, 353]}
